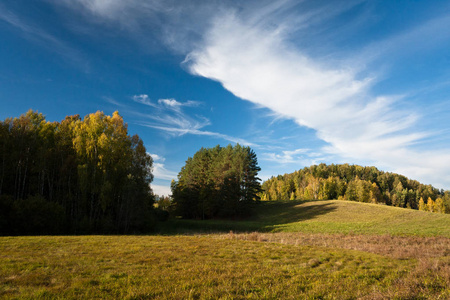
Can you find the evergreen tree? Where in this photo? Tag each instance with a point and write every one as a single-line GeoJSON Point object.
{"type": "Point", "coordinates": [217, 182]}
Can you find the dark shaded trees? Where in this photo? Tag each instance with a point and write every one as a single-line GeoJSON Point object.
{"type": "Point", "coordinates": [76, 176]}
{"type": "Point", "coordinates": [217, 182]}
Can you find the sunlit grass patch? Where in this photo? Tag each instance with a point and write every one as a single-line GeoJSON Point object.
{"type": "Point", "coordinates": [326, 216]}
{"type": "Point", "coordinates": [198, 267]}
{"type": "Point", "coordinates": [186, 267]}
{"type": "Point", "coordinates": [291, 250]}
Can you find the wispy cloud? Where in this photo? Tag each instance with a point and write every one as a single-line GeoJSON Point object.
{"type": "Point", "coordinates": [144, 99]}
{"type": "Point", "coordinates": [154, 24]}
{"type": "Point", "coordinates": [172, 120]}
{"type": "Point", "coordinates": [160, 172]}
{"type": "Point", "coordinates": [112, 101]}
{"type": "Point", "coordinates": [259, 52]}
{"type": "Point", "coordinates": [186, 130]}
{"type": "Point", "coordinates": [162, 176]}
{"type": "Point", "coordinates": [159, 168]}
{"type": "Point", "coordinates": [411, 41]}
{"type": "Point", "coordinates": [175, 105]}
{"type": "Point", "coordinates": [255, 61]}
{"type": "Point", "coordinates": [288, 157]}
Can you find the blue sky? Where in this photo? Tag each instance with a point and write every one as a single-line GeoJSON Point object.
{"type": "Point", "coordinates": [301, 82]}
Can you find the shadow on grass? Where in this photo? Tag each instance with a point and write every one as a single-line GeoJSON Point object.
{"type": "Point", "coordinates": [267, 215]}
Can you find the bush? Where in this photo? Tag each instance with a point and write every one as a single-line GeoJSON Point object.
{"type": "Point", "coordinates": [161, 215]}
{"type": "Point", "coordinates": [6, 211]}
{"type": "Point", "coordinates": [36, 215]}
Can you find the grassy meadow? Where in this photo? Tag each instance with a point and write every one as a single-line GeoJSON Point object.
{"type": "Point", "coordinates": [291, 250]}
{"type": "Point", "coordinates": [327, 216]}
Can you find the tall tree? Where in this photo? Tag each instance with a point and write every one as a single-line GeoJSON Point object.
{"type": "Point", "coordinates": [219, 181]}
{"type": "Point", "coordinates": [89, 169]}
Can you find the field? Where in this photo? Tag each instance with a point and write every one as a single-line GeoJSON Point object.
{"type": "Point", "coordinates": [331, 216]}
{"type": "Point", "coordinates": [292, 250]}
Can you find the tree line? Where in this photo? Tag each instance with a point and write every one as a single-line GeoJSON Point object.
{"type": "Point", "coordinates": [74, 176]}
{"type": "Point", "coordinates": [355, 183]}
{"type": "Point", "coordinates": [88, 175]}
{"type": "Point", "coordinates": [217, 182]}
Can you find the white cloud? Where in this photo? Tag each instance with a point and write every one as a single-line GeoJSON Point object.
{"type": "Point", "coordinates": [143, 99]}
{"type": "Point", "coordinates": [175, 105]}
{"type": "Point", "coordinates": [159, 169]}
{"type": "Point", "coordinates": [154, 24]}
{"type": "Point", "coordinates": [173, 120]}
{"type": "Point", "coordinates": [160, 172]}
{"type": "Point", "coordinates": [157, 157]}
{"type": "Point", "coordinates": [249, 52]}
{"type": "Point", "coordinates": [176, 125]}
{"type": "Point", "coordinates": [286, 157]}
{"type": "Point", "coordinates": [298, 157]}
{"type": "Point", "coordinates": [161, 190]}
{"type": "Point", "coordinates": [186, 130]}
{"type": "Point", "coordinates": [255, 62]}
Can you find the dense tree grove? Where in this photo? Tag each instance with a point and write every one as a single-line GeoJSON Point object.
{"type": "Point", "coordinates": [217, 182]}
{"type": "Point", "coordinates": [74, 176]}
{"type": "Point", "coordinates": [355, 183]}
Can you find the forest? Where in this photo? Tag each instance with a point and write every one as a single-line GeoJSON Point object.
{"type": "Point", "coordinates": [75, 176]}
{"type": "Point", "coordinates": [356, 183]}
{"type": "Point", "coordinates": [217, 182]}
{"type": "Point", "coordinates": [88, 175]}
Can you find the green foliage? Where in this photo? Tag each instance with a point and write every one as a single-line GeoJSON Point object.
{"type": "Point", "coordinates": [89, 175]}
{"type": "Point", "coordinates": [217, 182]}
{"type": "Point", "coordinates": [36, 215]}
{"type": "Point", "coordinates": [354, 183]}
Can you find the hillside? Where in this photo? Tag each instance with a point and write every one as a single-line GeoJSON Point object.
{"type": "Point", "coordinates": [326, 216]}
{"type": "Point", "coordinates": [356, 183]}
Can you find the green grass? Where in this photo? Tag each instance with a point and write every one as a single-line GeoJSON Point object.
{"type": "Point", "coordinates": [201, 267]}
{"type": "Point", "coordinates": [302, 250]}
{"type": "Point", "coordinates": [330, 216]}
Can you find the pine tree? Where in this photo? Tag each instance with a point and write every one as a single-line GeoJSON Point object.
{"type": "Point", "coordinates": [217, 182]}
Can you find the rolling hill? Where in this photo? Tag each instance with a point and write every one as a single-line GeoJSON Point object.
{"type": "Point", "coordinates": [326, 216]}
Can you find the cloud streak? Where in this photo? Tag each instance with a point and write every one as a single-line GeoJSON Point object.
{"type": "Point", "coordinates": [259, 52]}
{"type": "Point", "coordinates": [160, 172]}
{"type": "Point", "coordinates": [298, 156]}
{"type": "Point", "coordinates": [171, 119]}
{"type": "Point", "coordinates": [256, 62]}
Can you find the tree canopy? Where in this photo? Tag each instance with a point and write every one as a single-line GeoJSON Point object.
{"type": "Point", "coordinates": [355, 183]}
{"type": "Point", "coordinates": [217, 182]}
{"type": "Point", "coordinates": [74, 176]}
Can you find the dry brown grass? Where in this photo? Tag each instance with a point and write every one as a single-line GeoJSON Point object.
{"type": "Point", "coordinates": [399, 247]}
{"type": "Point", "coordinates": [430, 258]}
